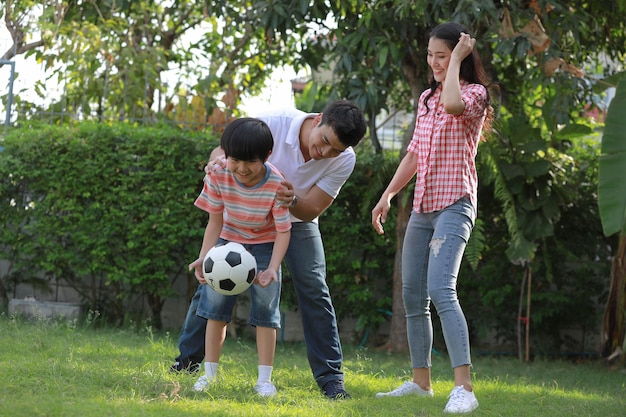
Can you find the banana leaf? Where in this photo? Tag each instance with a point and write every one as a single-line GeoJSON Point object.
{"type": "Point", "coordinates": [612, 166]}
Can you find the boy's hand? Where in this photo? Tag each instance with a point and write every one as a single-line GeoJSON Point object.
{"type": "Point", "coordinates": [196, 266]}
{"type": "Point", "coordinates": [265, 278]}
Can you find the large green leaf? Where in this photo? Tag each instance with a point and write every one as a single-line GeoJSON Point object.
{"type": "Point", "coordinates": [612, 167]}
{"type": "Point", "coordinates": [602, 85]}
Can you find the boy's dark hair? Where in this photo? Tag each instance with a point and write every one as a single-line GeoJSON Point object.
{"type": "Point", "coordinates": [346, 120]}
{"type": "Point", "coordinates": [247, 139]}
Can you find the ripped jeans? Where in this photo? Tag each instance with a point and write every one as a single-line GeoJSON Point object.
{"type": "Point", "coordinates": [431, 257]}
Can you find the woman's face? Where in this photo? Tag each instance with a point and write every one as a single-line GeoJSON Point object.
{"type": "Point", "coordinates": [438, 58]}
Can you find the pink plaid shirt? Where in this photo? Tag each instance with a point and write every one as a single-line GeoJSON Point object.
{"type": "Point", "coordinates": [445, 146]}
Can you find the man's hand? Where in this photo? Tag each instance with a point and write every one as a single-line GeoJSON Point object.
{"type": "Point", "coordinates": [285, 195]}
{"type": "Point", "coordinates": [214, 164]}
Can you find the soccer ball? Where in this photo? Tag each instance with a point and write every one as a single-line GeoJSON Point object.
{"type": "Point", "coordinates": [229, 269]}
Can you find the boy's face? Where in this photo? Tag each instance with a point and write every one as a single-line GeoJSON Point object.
{"type": "Point", "coordinates": [248, 173]}
{"type": "Point", "coordinates": [323, 141]}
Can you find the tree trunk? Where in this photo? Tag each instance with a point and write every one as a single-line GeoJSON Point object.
{"type": "Point", "coordinates": [413, 68]}
{"type": "Point", "coordinates": [520, 318]}
{"type": "Point", "coordinates": [156, 306]}
{"type": "Point", "coordinates": [397, 336]}
{"type": "Point", "coordinates": [4, 297]}
{"type": "Point", "coordinates": [529, 284]}
{"type": "Point", "coordinates": [614, 314]}
{"type": "Point", "coordinates": [373, 134]}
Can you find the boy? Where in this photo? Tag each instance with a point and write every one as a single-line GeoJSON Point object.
{"type": "Point", "coordinates": [246, 189]}
{"type": "Point", "coordinates": [314, 153]}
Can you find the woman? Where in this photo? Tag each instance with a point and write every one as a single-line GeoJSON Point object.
{"type": "Point", "coordinates": [450, 119]}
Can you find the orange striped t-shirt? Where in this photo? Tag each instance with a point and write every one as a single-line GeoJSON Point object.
{"type": "Point", "coordinates": [253, 213]}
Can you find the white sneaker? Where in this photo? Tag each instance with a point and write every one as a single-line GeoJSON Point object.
{"type": "Point", "coordinates": [201, 384]}
{"type": "Point", "coordinates": [461, 401]}
{"type": "Point", "coordinates": [265, 389]}
{"type": "Point", "coordinates": [408, 388]}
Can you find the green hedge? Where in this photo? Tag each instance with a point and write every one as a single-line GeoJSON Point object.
{"type": "Point", "coordinates": [107, 205]}
{"type": "Point", "coordinates": [111, 206]}
{"type": "Point", "coordinates": [359, 261]}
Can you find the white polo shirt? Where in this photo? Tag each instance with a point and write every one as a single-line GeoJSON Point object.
{"type": "Point", "coordinates": [328, 174]}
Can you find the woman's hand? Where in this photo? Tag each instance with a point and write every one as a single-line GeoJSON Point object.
{"type": "Point", "coordinates": [379, 214]}
{"type": "Point", "coordinates": [464, 47]}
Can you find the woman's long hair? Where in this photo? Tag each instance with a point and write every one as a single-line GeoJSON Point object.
{"type": "Point", "coordinates": [472, 69]}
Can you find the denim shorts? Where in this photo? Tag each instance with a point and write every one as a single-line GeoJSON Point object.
{"type": "Point", "coordinates": [264, 301]}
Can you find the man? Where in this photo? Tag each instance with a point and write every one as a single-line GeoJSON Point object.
{"type": "Point", "coordinates": [314, 153]}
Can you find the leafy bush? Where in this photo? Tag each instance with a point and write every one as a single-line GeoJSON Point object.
{"type": "Point", "coordinates": [111, 206]}
{"type": "Point", "coordinates": [359, 261]}
{"type": "Point", "coordinates": [570, 270]}
{"type": "Point", "coordinates": [108, 204]}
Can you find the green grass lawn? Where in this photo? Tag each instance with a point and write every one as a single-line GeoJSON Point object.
{"type": "Point", "coordinates": [68, 369]}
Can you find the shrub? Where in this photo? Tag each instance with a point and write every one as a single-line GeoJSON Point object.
{"type": "Point", "coordinates": [108, 204]}
{"type": "Point", "coordinates": [359, 261]}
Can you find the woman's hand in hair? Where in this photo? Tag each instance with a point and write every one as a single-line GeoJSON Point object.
{"type": "Point", "coordinates": [464, 47]}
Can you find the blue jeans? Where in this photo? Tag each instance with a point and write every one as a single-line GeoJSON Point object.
{"type": "Point", "coordinates": [192, 335]}
{"type": "Point", "coordinates": [307, 265]}
{"type": "Point", "coordinates": [191, 339]}
{"type": "Point", "coordinates": [431, 257]}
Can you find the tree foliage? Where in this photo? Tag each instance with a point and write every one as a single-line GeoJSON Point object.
{"type": "Point", "coordinates": [544, 56]}
{"type": "Point", "coordinates": [612, 205]}
{"type": "Point", "coordinates": [116, 59]}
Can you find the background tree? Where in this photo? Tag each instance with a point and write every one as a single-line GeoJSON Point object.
{"type": "Point", "coordinates": [537, 52]}
{"type": "Point", "coordinates": [19, 18]}
{"type": "Point", "coordinates": [612, 203]}
{"type": "Point", "coordinates": [118, 59]}
{"type": "Point", "coordinates": [545, 56]}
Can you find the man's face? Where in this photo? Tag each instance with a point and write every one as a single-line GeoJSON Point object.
{"type": "Point", "coordinates": [323, 142]}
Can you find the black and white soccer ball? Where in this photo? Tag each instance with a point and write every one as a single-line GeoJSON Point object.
{"type": "Point", "coordinates": [229, 269]}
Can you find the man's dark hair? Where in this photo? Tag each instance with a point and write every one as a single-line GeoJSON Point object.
{"type": "Point", "coordinates": [247, 139]}
{"type": "Point", "coordinates": [346, 120]}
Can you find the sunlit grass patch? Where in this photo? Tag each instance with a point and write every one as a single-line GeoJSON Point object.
{"type": "Point", "coordinates": [75, 369]}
